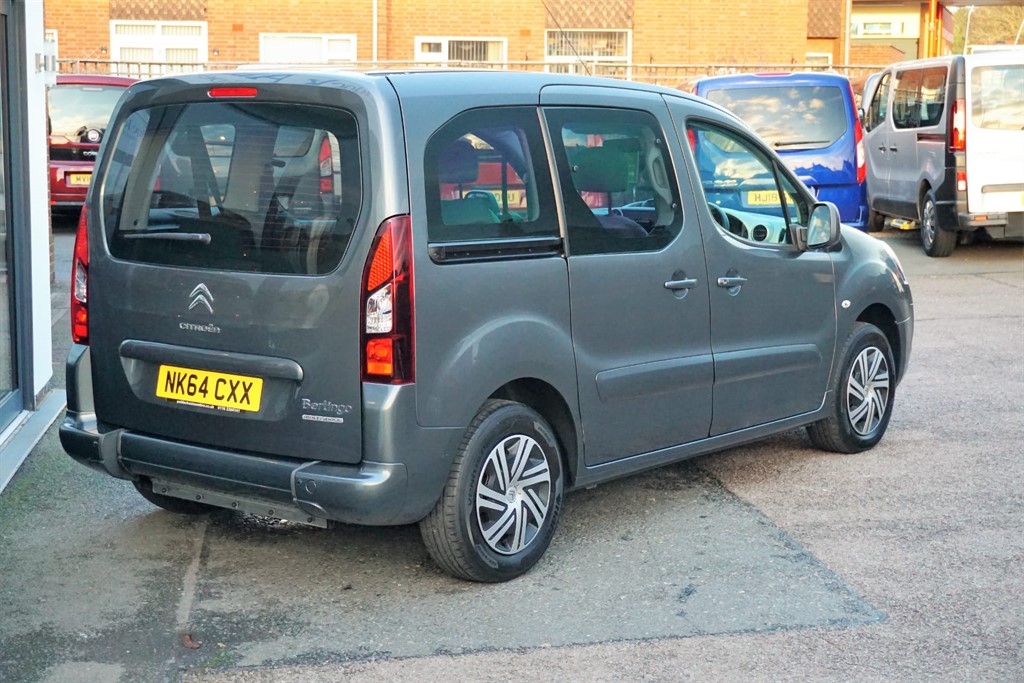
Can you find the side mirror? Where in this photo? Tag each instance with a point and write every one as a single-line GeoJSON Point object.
{"type": "Point", "coordinates": [823, 226]}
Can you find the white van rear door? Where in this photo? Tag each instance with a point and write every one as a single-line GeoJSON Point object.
{"type": "Point", "coordinates": [995, 132]}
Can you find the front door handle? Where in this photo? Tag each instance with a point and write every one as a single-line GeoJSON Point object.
{"type": "Point", "coordinates": [687, 283]}
{"type": "Point", "coordinates": [730, 282]}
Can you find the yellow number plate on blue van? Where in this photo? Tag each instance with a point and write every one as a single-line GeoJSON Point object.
{"type": "Point", "coordinates": [763, 198]}
{"type": "Point", "coordinates": [212, 389]}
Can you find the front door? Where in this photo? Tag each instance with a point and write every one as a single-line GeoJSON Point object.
{"type": "Point", "coordinates": [773, 321]}
{"type": "Point", "coordinates": [638, 285]}
{"type": "Point", "coordinates": [876, 144]}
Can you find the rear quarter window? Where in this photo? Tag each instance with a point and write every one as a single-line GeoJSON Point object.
{"type": "Point", "coordinates": [997, 97]}
{"type": "Point", "coordinates": [251, 187]}
{"type": "Point", "coordinates": [789, 117]}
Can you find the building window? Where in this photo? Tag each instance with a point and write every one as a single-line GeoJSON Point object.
{"type": "Point", "coordinates": [175, 42]}
{"type": "Point", "coordinates": [50, 36]}
{"type": "Point", "coordinates": [439, 50]}
{"type": "Point", "coordinates": [604, 53]}
{"type": "Point", "coordinates": [818, 58]}
{"type": "Point", "coordinates": [877, 28]}
{"type": "Point", "coordinates": [307, 48]}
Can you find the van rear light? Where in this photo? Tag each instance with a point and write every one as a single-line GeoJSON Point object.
{"type": "Point", "coordinates": [387, 305]}
{"type": "Point", "coordinates": [961, 181]}
{"type": "Point", "coordinates": [958, 122]}
{"type": "Point", "coordinates": [858, 137]}
{"type": "Point", "coordinates": [326, 168]}
{"type": "Point", "coordinates": [80, 282]}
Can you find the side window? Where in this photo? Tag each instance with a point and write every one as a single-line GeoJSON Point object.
{"type": "Point", "coordinates": [746, 192]}
{"type": "Point", "coordinates": [618, 188]}
{"type": "Point", "coordinates": [486, 178]}
{"type": "Point", "coordinates": [919, 97]}
{"type": "Point", "coordinates": [879, 103]}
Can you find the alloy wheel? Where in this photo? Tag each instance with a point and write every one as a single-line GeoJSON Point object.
{"type": "Point", "coordinates": [867, 390]}
{"type": "Point", "coordinates": [513, 494]}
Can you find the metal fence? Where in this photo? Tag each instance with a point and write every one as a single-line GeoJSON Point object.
{"type": "Point", "coordinates": [671, 75]}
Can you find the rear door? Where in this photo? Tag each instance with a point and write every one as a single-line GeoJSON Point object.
{"type": "Point", "coordinates": [995, 132]}
{"type": "Point", "coordinates": [225, 280]}
{"type": "Point", "coordinates": [918, 139]}
{"type": "Point", "coordinates": [638, 285]}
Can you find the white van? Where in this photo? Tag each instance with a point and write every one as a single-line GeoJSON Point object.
{"type": "Point", "coordinates": [945, 147]}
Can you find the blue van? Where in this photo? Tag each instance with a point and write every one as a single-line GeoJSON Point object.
{"type": "Point", "coordinates": [811, 120]}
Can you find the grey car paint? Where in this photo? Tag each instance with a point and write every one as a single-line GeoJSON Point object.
{"type": "Point", "coordinates": [630, 375]}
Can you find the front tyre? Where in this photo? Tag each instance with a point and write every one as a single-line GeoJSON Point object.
{"type": "Point", "coordinates": [936, 241]}
{"type": "Point", "coordinates": [861, 394]}
{"type": "Point", "coordinates": [500, 506]}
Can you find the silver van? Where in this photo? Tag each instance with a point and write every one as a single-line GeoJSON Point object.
{"type": "Point", "coordinates": [423, 297]}
{"type": "Point", "coordinates": [945, 144]}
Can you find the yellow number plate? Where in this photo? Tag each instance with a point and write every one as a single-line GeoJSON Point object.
{"type": "Point", "coordinates": [79, 178]}
{"type": "Point", "coordinates": [220, 390]}
{"type": "Point", "coordinates": [763, 197]}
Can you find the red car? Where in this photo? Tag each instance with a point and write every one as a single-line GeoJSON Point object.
{"type": "Point", "coordinates": [78, 110]}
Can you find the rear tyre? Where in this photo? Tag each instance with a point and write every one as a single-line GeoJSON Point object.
{"type": "Point", "coordinates": [169, 503]}
{"type": "Point", "coordinates": [936, 241]}
{"type": "Point", "coordinates": [876, 221]}
{"type": "Point", "coordinates": [861, 394]}
{"type": "Point", "coordinates": [500, 506]}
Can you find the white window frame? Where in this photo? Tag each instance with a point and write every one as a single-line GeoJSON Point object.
{"type": "Point", "coordinates": [159, 42]}
{"type": "Point", "coordinates": [442, 56]}
{"type": "Point", "coordinates": [571, 63]}
{"type": "Point", "coordinates": [325, 38]}
{"type": "Point", "coordinates": [818, 58]}
{"type": "Point", "coordinates": [50, 36]}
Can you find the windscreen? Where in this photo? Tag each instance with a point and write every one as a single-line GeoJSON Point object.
{"type": "Point", "coordinates": [253, 187]}
{"type": "Point", "coordinates": [789, 117]}
{"type": "Point", "coordinates": [75, 109]}
{"type": "Point", "coordinates": [997, 97]}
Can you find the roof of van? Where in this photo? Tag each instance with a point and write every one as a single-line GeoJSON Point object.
{"type": "Point", "coordinates": [770, 79]}
{"type": "Point", "coordinates": [441, 78]}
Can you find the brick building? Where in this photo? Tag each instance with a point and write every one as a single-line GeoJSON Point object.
{"type": "Point", "coordinates": [553, 34]}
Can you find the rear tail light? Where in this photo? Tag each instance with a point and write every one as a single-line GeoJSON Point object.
{"type": "Point", "coordinates": [958, 122]}
{"type": "Point", "coordinates": [326, 168]}
{"type": "Point", "coordinates": [858, 136]}
{"type": "Point", "coordinates": [961, 181]}
{"type": "Point", "coordinates": [387, 305]}
{"type": "Point", "coordinates": [80, 282]}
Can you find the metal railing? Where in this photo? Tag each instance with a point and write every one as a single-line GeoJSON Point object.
{"type": "Point", "coordinates": [671, 75]}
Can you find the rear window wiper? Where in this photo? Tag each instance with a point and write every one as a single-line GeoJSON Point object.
{"type": "Point", "coordinates": [798, 143]}
{"type": "Point", "coordinates": [200, 237]}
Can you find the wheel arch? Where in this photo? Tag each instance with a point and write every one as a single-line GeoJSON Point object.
{"type": "Point", "coordinates": [552, 406]}
{"type": "Point", "coordinates": [882, 317]}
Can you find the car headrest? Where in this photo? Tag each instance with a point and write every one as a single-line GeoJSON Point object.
{"type": "Point", "coordinates": [600, 169]}
{"type": "Point", "coordinates": [458, 163]}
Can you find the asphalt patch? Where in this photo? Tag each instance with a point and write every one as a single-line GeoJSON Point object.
{"type": "Point", "coordinates": [95, 581]}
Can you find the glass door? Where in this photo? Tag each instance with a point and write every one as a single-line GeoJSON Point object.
{"type": "Point", "coordinates": [10, 398]}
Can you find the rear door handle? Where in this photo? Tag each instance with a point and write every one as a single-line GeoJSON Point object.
{"type": "Point", "coordinates": [893, 149]}
{"type": "Point", "coordinates": [687, 283]}
{"type": "Point", "coordinates": [730, 282]}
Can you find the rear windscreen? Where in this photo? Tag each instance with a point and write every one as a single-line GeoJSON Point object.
{"type": "Point", "coordinates": [997, 97]}
{"type": "Point", "coordinates": [790, 117]}
{"type": "Point", "coordinates": [73, 110]}
{"type": "Point", "coordinates": [252, 187]}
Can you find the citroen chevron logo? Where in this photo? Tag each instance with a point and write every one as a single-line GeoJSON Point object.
{"type": "Point", "coordinates": [201, 296]}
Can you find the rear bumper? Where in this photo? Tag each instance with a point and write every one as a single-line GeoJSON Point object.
{"type": "Point", "coordinates": [997, 225]}
{"type": "Point", "coordinates": [401, 487]}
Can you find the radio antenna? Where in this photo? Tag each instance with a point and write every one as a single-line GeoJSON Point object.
{"type": "Point", "coordinates": [561, 31]}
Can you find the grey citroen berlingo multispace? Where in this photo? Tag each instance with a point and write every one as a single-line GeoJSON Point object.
{"type": "Point", "coordinates": [448, 298]}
